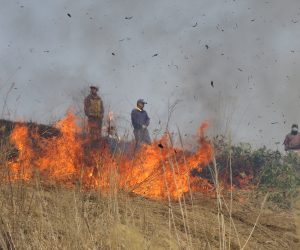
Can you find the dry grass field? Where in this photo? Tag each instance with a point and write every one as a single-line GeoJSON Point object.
{"type": "Point", "coordinates": [40, 215]}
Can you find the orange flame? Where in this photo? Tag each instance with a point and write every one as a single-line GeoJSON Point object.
{"type": "Point", "coordinates": [61, 156]}
{"type": "Point", "coordinates": [157, 171]}
{"type": "Point", "coordinates": [21, 168]}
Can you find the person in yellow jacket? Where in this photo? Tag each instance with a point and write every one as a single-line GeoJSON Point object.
{"type": "Point", "coordinates": [94, 110]}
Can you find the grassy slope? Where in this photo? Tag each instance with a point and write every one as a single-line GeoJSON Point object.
{"type": "Point", "coordinates": [35, 216]}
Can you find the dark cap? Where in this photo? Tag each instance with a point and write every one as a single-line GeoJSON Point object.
{"type": "Point", "coordinates": [94, 87]}
{"type": "Point", "coordinates": [141, 101]}
{"type": "Point", "coordinates": [295, 125]}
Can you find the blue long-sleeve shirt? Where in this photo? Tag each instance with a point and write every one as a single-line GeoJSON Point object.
{"type": "Point", "coordinates": [139, 118]}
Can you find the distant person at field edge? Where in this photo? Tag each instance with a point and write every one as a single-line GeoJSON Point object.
{"type": "Point", "coordinates": [140, 122]}
{"type": "Point", "coordinates": [292, 140]}
{"type": "Point", "coordinates": [94, 110]}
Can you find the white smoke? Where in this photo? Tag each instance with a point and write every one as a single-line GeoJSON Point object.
{"type": "Point", "coordinates": [249, 49]}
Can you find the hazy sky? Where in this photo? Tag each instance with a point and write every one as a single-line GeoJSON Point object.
{"type": "Point", "coordinates": [250, 49]}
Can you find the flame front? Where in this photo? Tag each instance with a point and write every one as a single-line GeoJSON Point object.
{"type": "Point", "coordinates": [22, 167]}
{"type": "Point", "coordinates": [61, 157]}
{"type": "Point", "coordinates": [156, 171]}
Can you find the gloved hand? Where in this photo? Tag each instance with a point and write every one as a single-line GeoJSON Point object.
{"type": "Point", "coordinates": [144, 126]}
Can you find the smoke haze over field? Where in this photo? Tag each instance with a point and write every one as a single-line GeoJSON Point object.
{"type": "Point", "coordinates": [234, 63]}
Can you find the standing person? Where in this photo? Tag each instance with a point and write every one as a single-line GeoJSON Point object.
{"type": "Point", "coordinates": [292, 140]}
{"type": "Point", "coordinates": [94, 110]}
{"type": "Point", "coordinates": [140, 122]}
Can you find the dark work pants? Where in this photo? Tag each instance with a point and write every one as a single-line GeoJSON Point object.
{"type": "Point", "coordinates": [95, 128]}
{"type": "Point", "coordinates": [141, 137]}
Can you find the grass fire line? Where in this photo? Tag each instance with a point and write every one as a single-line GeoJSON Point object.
{"type": "Point", "coordinates": [153, 172]}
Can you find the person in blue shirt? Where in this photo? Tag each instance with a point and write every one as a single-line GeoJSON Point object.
{"type": "Point", "coordinates": [140, 122]}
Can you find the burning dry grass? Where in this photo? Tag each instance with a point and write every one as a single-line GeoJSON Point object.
{"type": "Point", "coordinates": [44, 216]}
{"type": "Point", "coordinates": [157, 171]}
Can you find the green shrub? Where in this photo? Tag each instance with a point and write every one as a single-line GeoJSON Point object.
{"type": "Point", "coordinates": [281, 178]}
{"type": "Point", "coordinates": [270, 170]}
